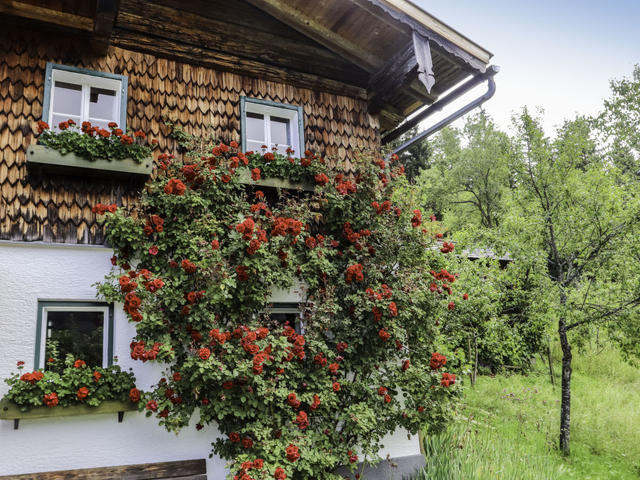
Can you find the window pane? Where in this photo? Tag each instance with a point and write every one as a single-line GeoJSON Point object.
{"type": "Point", "coordinates": [255, 127]}
{"type": "Point", "coordinates": [256, 147]}
{"type": "Point", "coordinates": [280, 131]}
{"type": "Point", "coordinates": [77, 333]}
{"type": "Point", "coordinates": [67, 98]}
{"type": "Point", "coordinates": [56, 119]}
{"type": "Point", "coordinates": [101, 123]}
{"type": "Point", "coordinates": [102, 104]}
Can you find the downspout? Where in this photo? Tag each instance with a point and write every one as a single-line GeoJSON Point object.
{"type": "Point", "coordinates": [437, 106]}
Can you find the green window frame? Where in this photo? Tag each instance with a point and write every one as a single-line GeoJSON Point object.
{"type": "Point", "coordinates": [44, 306]}
{"type": "Point", "coordinates": [85, 77]}
{"type": "Point", "coordinates": [294, 113]}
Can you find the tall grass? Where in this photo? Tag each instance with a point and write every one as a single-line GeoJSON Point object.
{"type": "Point", "coordinates": [508, 426]}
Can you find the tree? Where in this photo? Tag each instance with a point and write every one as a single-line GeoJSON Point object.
{"type": "Point", "coordinates": [619, 123]}
{"type": "Point", "coordinates": [571, 206]}
{"type": "Point", "coordinates": [469, 174]}
{"type": "Point", "coordinates": [416, 158]}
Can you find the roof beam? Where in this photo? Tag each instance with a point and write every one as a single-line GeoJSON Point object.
{"type": "Point", "coordinates": [106, 12]}
{"type": "Point", "coordinates": [308, 26]}
{"type": "Point", "coordinates": [46, 15]}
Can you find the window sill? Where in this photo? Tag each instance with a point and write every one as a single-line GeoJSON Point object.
{"type": "Point", "coordinates": [49, 159]}
{"type": "Point", "coordinates": [10, 411]}
{"type": "Point", "coordinates": [244, 176]}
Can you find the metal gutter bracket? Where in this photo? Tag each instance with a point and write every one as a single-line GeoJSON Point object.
{"type": "Point", "coordinates": [439, 105]}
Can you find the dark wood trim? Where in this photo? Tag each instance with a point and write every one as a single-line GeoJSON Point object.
{"type": "Point", "coordinates": [391, 77]}
{"type": "Point", "coordinates": [106, 12]}
{"type": "Point", "coordinates": [192, 54]}
{"type": "Point", "coordinates": [45, 15]}
{"type": "Point", "coordinates": [183, 469]}
{"type": "Point", "coordinates": [306, 25]}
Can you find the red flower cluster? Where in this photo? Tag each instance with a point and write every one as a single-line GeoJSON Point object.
{"type": "Point", "coordinates": [188, 266]}
{"type": "Point", "coordinates": [131, 305]}
{"type": "Point", "coordinates": [82, 393]}
{"type": "Point", "coordinates": [417, 218]}
{"type": "Point", "coordinates": [447, 379]}
{"type": "Point", "coordinates": [138, 351]}
{"type": "Point", "coordinates": [393, 309]}
{"type": "Point", "coordinates": [155, 223]}
{"type": "Point", "coordinates": [243, 273]}
{"type": "Point", "coordinates": [279, 474]}
{"type": "Point", "coordinates": [320, 359]}
{"type": "Point", "coordinates": [79, 363]}
{"type": "Point", "coordinates": [50, 400]}
{"type": "Point", "coordinates": [204, 353]}
{"type": "Point", "coordinates": [321, 179]}
{"type": "Point", "coordinates": [437, 361]}
{"type": "Point", "coordinates": [405, 365]}
{"type": "Point", "coordinates": [255, 174]}
{"type": "Point", "coordinates": [381, 207]}
{"type": "Point", "coordinates": [101, 208]}
{"type": "Point", "coordinates": [345, 187]}
{"type": "Point", "coordinates": [134, 395]}
{"type": "Point", "coordinates": [354, 273]}
{"type": "Point", "coordinates": [302, 420]}
{"type": "Point", "coordinates": [164, 160]}
{"type": "Point", "coordinates": [384, 335]}
{"type": "Point", "coordinates": [316, 402]}
{"type": "Point", "coordinates": [32, 377]}
{"type": "Point", "coordinates": [175, 187]}
{"type": "Point", "coordinates": [447, 247]}
{"type": "Point", "coordinates": [42, 126]}
{"type": "Point", "coordinates": [293, 453]}
{"type": "Point", "coordinates": [283, 226]}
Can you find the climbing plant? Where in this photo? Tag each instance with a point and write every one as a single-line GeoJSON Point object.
{"type": "Point", "coordinates": [196, 262]}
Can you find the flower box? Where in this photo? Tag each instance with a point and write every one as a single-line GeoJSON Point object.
{"type": "Point", "coordinates": [11, 411]}
{"type": "Point", "coordinates": [244, 175]}
{"type": "Point", "coordinates": [50, 159]}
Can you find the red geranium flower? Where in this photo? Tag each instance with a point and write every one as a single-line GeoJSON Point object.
{"type": "Point", "coordinates": [336, 387]}
{"type": "Point", "coordinates": [50, 400]}
{"type": "Point", "coordinates": [255, 174]}
{"type": "Point", "coordinates": [134, 395]}
{"type": "Point", "coordinates": [82, 393]}
{"type": "Point", "coordinates": [79, 363]}
{"type": "Point", "coordinates": [247, 442]}
{"type": "Point", "coordinates": [96, 376]}
{"type": "Point", "coordinates": [153, 250]}
{"type": "Point", "coordinates": [204, 353]}
{"type": "Point", "coordinates": [279, 474]}
{"type": "Point", "coordinates": [293, 453]}
{"type": "Point", "coordinates": [447, 379]}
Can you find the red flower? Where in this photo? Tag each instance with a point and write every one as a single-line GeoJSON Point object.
{"type": "Point", "coordinates": [204, 353]}
{"type": "Point", "coordinates": [82, 393]}
{"type": "Point", "coordinates": [465, 296]}
{"type": "Point", "coordinates": [32, 378]}
{"type": "Point", "coordinates": [293, 453]}
{"type": "Point", "coordinates": [387, 399]}
{"type": "Point", "coordinates": [310, 242]}
{"type": "Point", "coordinates": [188, 266]}
{"type": "Point", "coordinates": [269, 157]}
{"type": "Point", "coordinates": [96, 376]}
{"type": "Point", "coordinates": [447, 379]}
{"type": "Point", "coordinates": [175, 187]}
{"type": "Point", "coordinates": [50, 400]}
{"type": "Point", "coordinates": [153, 250]}
{"type": "Point", "coordinates": [417, 218]}
{"type": "Point", "coordinates": [279, 474]}
{"type": "Point", "coordinates": [451, 306]}
{"type": "Point", "coordinates": [384, 335]}
{"type": "Point", "coordinates": [112, 125]}
{"type": "Point", "coordinates": [393, 309]}
{"type": "Point", "coordinates": [336, 387]}
{"type": "Point", "coordinates": [341, 346]}
{"type": "Point", "coordinates": [243, 273]}
{"type": "Point", "coordinates": [42, 126]}
{"type": "Point", "coordinates": [437, 361]}
{"type": "Point", "coordinates": [134, 395]}
{"type": "Point", "coordinates": [215, 244]}
{"type": "Point", "coordinates": [255, 174]}
{"type": "Point", "coordinates": [405, 365]}
{"type": "Point", "coordinates": [234, 437]}
{"type": "Point", "coordinates": [321, 179]}
{"type": "Point", "coordinates": [333, 368]}
{"type": "Point", "coordinates": [79, 363]}
{"type": "Point", "coordinates": [152, 405]}
{"type": "Point", "coordinates": [354, 272]}
{"type": "Point", "coordinates": [247, 442]}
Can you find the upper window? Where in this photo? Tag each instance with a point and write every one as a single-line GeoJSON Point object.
{"type": "Point", "coordinates": [81, 329]}
{"type": "Point", "coordinates": [275, 125]}
{"type": "Point", "coordinates": [84, 96]}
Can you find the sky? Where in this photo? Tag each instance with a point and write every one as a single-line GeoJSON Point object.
{"type": "Point", "coordinates": [556, 54]}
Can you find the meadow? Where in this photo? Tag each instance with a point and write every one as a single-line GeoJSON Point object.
{"type": "Point", "coordinates": [507, 425]}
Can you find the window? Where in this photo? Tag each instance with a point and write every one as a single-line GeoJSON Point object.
{"type": "Point", "coordinates": [84, 96]}
{"type": "Point", "coordinates": [82, 329]}
{"type": "Point", "coordinates": [282, 313]}
{"type": "Point", "coordinates": [273, 124]}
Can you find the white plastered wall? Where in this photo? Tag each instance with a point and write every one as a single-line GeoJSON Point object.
{"type": "Point", "coordinates": [30, 272]}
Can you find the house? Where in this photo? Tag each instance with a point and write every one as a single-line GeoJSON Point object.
{"type": "Point", "coordinates": [332, 76]}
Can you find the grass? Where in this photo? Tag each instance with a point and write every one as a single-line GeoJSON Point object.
{"type": "Point", "coordinates": [508, 426]}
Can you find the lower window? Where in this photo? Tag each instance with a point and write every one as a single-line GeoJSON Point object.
{"type": "Point", "coordinates": [83, 330]}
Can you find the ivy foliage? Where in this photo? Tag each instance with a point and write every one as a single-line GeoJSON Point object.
{"type": "Point", "coordinates": [196, 263]}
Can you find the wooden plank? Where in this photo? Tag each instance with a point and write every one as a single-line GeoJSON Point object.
{"type": "Point", "coordinates": [47, 15]}
{"type": "Point", "coordinates": [225, 61]}
{"type": "Point", "coordinates": [183, 469]}
{"type": "Point", "coordinates": [199, 31]}
{"type": "Point", "coordinates": [390, 78]}
{"type": "Point", "coordinates": [10, 411]}
{"type": "Point", "coordinates": [306, 25]}
{"type": "Point", "coordinates": [106, 11]}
